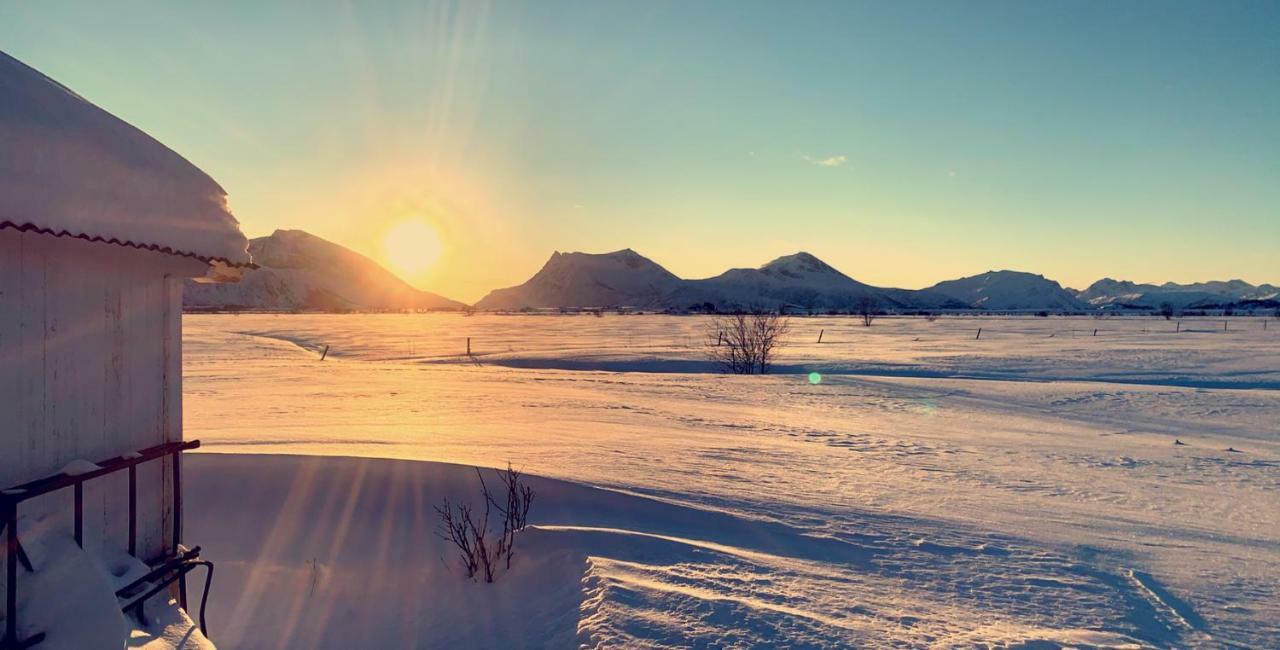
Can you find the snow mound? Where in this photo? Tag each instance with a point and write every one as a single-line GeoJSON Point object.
{"type": "Point", "coordinates": [69, 168]}
{"type": "Point", "coordinates": [70, 597]}
{"type": "Point", "coordinates": [604, 568]}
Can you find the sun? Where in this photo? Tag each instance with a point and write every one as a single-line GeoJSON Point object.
{"type": "Point", "coordinates": [411, 247]}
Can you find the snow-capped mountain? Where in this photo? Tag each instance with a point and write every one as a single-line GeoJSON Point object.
{"type": "Point", "coordinates": [617, 279]}
{"type": "Point", "coordinates": [298, 270]}
{"type": "Point", "coordinates": [801, 281]}
{"type": "Point", "coordinates": [1109, 293]}
{"type": "Point", "coordinates": [1010, 290]}
{"type": "Point", "coordinates": [1237, 289]}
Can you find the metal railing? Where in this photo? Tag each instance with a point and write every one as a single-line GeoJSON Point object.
{"type": "Point", "coordinates": [175, 567]}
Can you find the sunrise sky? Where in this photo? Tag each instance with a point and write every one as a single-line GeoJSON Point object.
{"type": "Point", "coordinates": [903, 142]}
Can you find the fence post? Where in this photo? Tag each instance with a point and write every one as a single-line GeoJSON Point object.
{"type": "Point", "coordinates": [468, 346]}
{"type": "Point", "coordinates": [823, 331]}
{"type": "Point", "coordinates": [979, 334]}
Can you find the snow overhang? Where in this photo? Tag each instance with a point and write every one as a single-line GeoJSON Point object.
{"type": "Point", "coordinates": [71, 169]}
{"type": "Point", "coordinates": [223, 273]}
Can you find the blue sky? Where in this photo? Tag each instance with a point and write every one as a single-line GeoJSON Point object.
{"type": "Point", "coordinates": [903, 142]}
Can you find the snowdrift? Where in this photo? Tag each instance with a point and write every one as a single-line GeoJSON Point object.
{"type": "Point", "coordinates": [341, 552]}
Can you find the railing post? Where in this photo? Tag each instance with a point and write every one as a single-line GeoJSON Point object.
{"type": "Point", "coordinates": [79, 490]}
{"type": "Point", "coordinates": [133, 510]}
{"type": "Point", "coordinates": [177, 522]}
{"type": "Point", "coordinates": [11, 574]}
{"type": "Point", "coordinates": [177, 500]}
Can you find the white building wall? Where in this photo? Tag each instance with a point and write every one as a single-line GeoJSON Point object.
{"type": "Point", "coordinates": [90, 368]}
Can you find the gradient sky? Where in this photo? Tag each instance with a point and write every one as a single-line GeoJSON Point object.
{"type": "Point", "coordinates": [903, 142]}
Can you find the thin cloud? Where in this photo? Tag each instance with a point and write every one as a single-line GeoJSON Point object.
{"type": "Point", "coordinates": [829, 161]}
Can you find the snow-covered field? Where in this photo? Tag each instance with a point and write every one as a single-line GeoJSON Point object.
{"type": "Point", "coordinates": [933, 488]}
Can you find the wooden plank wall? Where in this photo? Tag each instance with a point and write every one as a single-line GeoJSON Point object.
{"type": "Point", "coordinates": [90, 367]}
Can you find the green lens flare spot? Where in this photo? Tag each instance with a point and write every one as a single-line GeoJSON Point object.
{"type": "Point", "coordinates": [815, 378]}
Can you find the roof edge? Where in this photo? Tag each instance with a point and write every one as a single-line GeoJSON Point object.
{"type": "Point", "coordinates": [30, 227]}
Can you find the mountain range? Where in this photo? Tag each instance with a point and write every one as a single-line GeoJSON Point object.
{"type": "Point", "coordinates": [803, 282]}
{"type": "Point", "coordinates": [299, 271]}
{"type": "Point", "coordinates": [1121, 294]}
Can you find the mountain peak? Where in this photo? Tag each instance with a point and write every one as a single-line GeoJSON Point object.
{"type": "Point", "coordinates": [1009, 290]}
{"type": "Point", "coordinates": [298, 270]}
{"type": "Point", "coordinates": [797, 264]}
{"type": "Point", "coordinates": [800, 257]}
{"type": "Point", "coordinates": [619, 278]}
{"type": "Point", "coordinates": [626, 258]}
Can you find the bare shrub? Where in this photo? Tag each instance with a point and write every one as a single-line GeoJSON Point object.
{"type": "Point", "coordinates": [517, 498]}
{"type": "Point", "coordinates": [1166, 310]}
{"type": "Point", "coordinates": [458, 527]}
{"type": "Point", "coordinates": [481, 554]}
{"type": "Point", "coordinates": [744, 344]}
{"type": "Point", "coordinates": [867, 308]}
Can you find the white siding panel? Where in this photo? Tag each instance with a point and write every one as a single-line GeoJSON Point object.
{"type": "Point", "coordinates": [90, 367]}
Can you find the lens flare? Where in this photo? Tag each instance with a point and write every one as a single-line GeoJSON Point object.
{"type": "Point", "coordinates": [815, 378]}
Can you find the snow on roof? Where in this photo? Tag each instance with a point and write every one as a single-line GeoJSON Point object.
{"type": "Point", "coordinates": [69, 168]}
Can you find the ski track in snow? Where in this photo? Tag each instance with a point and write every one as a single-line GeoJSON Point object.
{"type": "Point", "coordinates": [1049, 508]}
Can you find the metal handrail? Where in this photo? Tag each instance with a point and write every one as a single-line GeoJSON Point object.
{"type": "Point", "coordinates": [11, 498]}
{"type": "Point", "coordinates": [172, 570]}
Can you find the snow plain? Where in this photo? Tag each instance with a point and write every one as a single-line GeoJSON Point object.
{"type": "Point", "coordinates": [932, 489]}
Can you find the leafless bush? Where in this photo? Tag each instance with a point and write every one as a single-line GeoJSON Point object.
{"type": "Point", "coordinates": [867, 308]}
{"type": "Point", "coordinates": [458, 527]}
{"type": "Point", "coordinates": [469, 533]}
{"type": "Point", "coordinates": [517, 498]}
{"type": "Point", "coordinates": [744, 344]}
{"type": "Point", "coordinates": [931, 317]}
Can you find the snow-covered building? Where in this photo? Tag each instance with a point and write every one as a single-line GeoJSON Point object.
{"type": "Point", "coordinates": [100, 225]}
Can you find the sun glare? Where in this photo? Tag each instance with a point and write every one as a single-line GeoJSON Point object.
{"type": "Point", "coordinates": [411, 247]}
